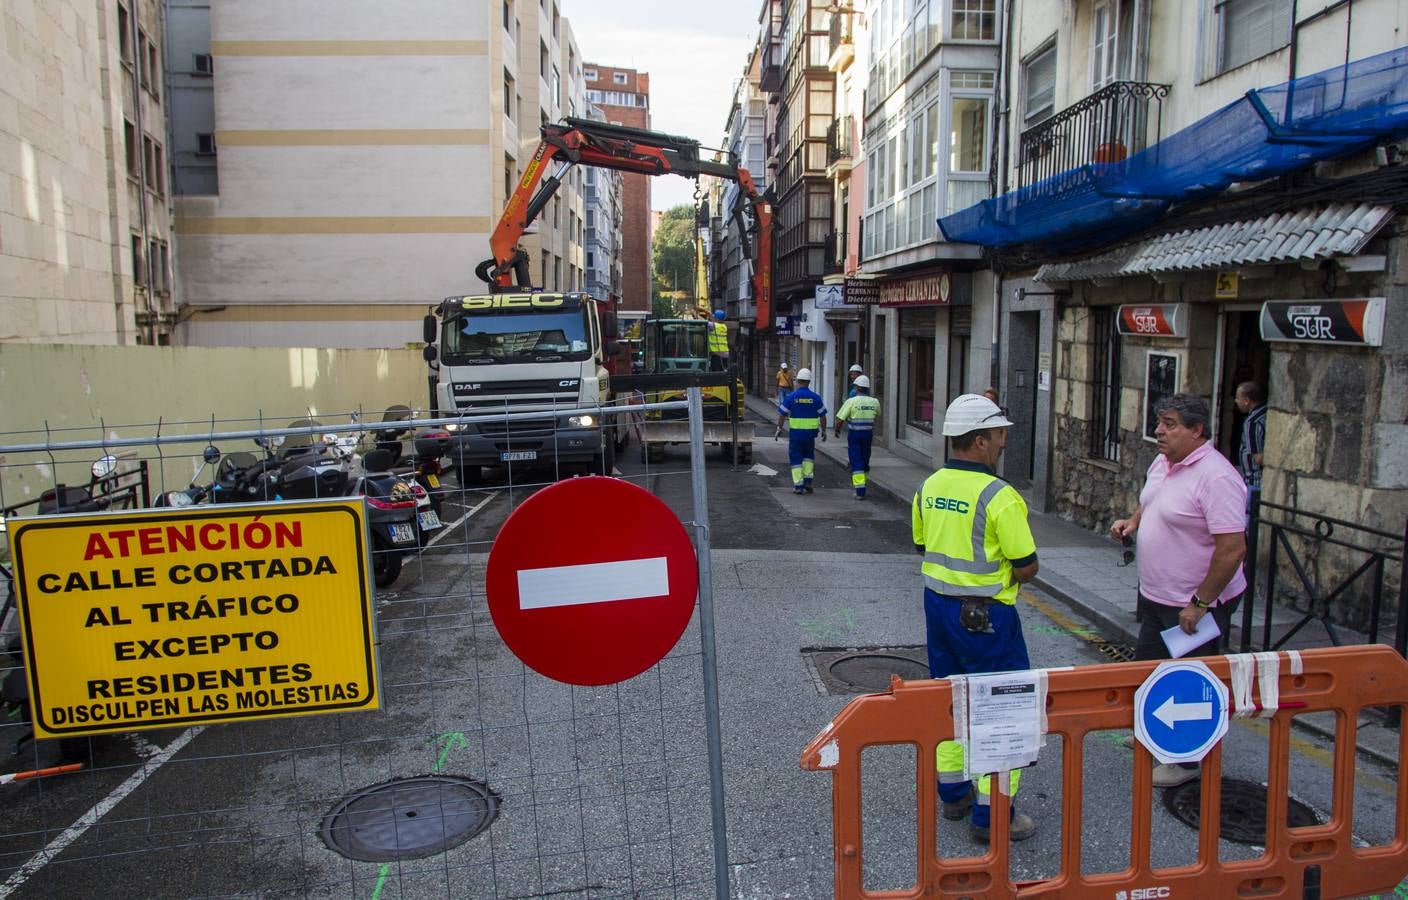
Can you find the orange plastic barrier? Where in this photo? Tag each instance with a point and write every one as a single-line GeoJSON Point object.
{"type": "Point", "coordinates": [1097, 698]}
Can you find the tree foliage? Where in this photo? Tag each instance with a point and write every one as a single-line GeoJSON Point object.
{"type": "Point", "coordinates": [673, 263]}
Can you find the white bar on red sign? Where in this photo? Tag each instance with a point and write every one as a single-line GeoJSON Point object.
{"type": "Point", "coordinates": [629, 579]}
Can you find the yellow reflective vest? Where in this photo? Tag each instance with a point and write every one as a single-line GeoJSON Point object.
{"type": "Point", "coordinates": [974, 531]}
{"type": "Point", "coordinates": [718, 338]}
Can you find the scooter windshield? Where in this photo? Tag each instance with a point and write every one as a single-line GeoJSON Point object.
{"type": "Point", "coordinates": [517, 337]}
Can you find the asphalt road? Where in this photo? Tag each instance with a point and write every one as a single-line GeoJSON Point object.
{"type": "Point", "coordinates": [602, 791]}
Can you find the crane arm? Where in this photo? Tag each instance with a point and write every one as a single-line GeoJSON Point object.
{"type": "Point", "coordinates": [577, 141]}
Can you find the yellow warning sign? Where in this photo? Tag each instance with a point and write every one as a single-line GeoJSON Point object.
{"type": "Point", "coordinates": [170, 617]}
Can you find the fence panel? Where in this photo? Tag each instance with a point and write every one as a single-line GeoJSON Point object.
{"type": "Point", "coordinates": [476, 777]}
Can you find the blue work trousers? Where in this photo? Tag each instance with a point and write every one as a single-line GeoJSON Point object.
{"type": "Point", "coordinates": [801, 456]}
{"type": "Point", "coordinates": [954, 650]}
{"type": "Point", "coordinates": [858, 449]}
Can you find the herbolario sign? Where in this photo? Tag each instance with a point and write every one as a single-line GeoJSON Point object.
{"type": "Point", "coordinates": [1356, 322]}
{"type": "Point", "coordinates": [173, 617]}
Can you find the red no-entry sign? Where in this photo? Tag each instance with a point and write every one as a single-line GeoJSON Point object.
{"type": "Point", "coordinates": [592, 581]}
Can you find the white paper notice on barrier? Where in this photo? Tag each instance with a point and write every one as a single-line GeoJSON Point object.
{"type": "Point", "coordinates": [1004, 727]}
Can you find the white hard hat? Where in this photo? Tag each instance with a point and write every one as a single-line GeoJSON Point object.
{"type": "Point", "coordinates": [855, 367]}
{"type": "Point", "coordinates": [971, 412]}
{"type": "Point", "coordinates": [784, 365]}
{"type": "Point", "coordinates": [804, 374]}
{"type": "Point", "coordinates": [863, 382]}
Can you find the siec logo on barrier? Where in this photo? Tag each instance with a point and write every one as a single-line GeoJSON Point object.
{"type": "Point", "coordinates": [170, 617]}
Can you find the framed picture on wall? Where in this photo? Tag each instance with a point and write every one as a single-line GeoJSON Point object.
{"type": "Point", "coordinates": [1161, 376]}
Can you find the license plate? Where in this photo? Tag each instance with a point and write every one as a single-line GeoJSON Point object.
{"type": "Point", "coordinates": [429, 521]}
{"type": "Point", "coordinates": [432, 481]}
{"type": "Point", "coordinates": [403, 533]}
{"type": "Point", "coordinates": [517, 455]}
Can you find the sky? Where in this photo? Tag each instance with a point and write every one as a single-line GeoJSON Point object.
{"type": "Point", "coordinates": [694, 53]}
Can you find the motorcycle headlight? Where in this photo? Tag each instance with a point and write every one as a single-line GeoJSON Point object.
{"type": "Point", "coordinates": [452, 427]}
{"type": "Point", "coordinates": [581, 421]}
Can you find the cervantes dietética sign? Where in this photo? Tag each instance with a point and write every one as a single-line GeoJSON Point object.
{"type": "Point", "coordinates": [156, 618]}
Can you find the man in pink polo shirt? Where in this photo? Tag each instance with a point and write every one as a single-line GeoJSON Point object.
{"type": "Point", "coordinates": [1190, 522]}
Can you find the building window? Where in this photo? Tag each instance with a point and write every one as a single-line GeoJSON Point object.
{"type": "Point", "coordinates": [556, 18]}
{"type": "Point", "coordinates": [543, 59]}
{"type": "Point", "coordinates": [124, 34]}
{"type": "Point", "coordinates": [129, 143]}
{"type": "Point", "coordinates": [139, 273]}
{"type": "Point", "coordinates": [1102, 45]}
{"type": "Point", "coordinates": [618, 78]}
{"type": "Point", "coordinates": [1250, 29]}
{"type": "Point", "coordinates": [1104, 385]}
{"type": "Point", "coordinates": [509, 95]}
{"type": "Point", "coordinates": [202, 64]}
{"type": "Point", "coordinates": [205, 145]}
{"type": "Point", "coordinates": [556, 87]}
{"type": "Point", "coordinates": [509, 177]}
{"type": "Point", "coordinates": [589, 74]}
{"type": "Point", "coordinates": [158, 261]}
{"type": "Point", "coordinates": [508, 17]}
{"type": "Point", "coordinates": [974, 20]}
{"type": "Point", "coordinates": [968, 134]}
{"type": "Point", "coordinates": [151, 75]}
{"type": "Point", "coordinates": [156, 166]}
{"type": "Point", "coordinates": [1039, 86]}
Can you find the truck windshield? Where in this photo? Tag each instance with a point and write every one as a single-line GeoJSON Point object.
{"type": "Point", "coordinates": [476, 339]}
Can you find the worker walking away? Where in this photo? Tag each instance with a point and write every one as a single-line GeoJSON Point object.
{"type": "Point", "coordinates": [854, 372]}
{"type": "Point", "coordinates": [972, 528]}
{"type": "Point", "coordinates": [806, 417]}
{"type": "Point", "coordinates": [859, 413]}
{"type": "Point", "coordinates": [718, 343]}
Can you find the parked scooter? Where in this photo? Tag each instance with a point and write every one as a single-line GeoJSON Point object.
{"type": "Point", "coordinates": [424, 464]}
{"type": "Point", "coordinates": [391, 515]}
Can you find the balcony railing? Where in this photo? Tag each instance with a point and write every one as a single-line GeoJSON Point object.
{"type": "Point", "coordinates": [835, 252]}
{"type": "Point", "coordinates": [1120, 119]}
{"type": "Point", "coordinates": [838, 140]}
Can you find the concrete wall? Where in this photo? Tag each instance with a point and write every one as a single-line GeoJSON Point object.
{"type": "Point", "coordinates": [85, 393]}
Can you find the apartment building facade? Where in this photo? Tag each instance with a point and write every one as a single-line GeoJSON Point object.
{"type": "Point", "coordinates": [1283, 262]}
{"type": "Point", "coordinates": [350, 196]}
{"type": "Point", "coordinates": [85, 227]}
{"type": "Point", "coordinates": [623, 95]}
{"type": "Point", "coordinates": [604, 271]}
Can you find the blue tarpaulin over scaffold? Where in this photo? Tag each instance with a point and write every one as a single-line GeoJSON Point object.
{"type": "Point", "coordinates": [1268, 132]}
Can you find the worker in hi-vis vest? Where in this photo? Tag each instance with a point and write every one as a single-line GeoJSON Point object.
{"type": "Point", "coordinates": [806, 417]}
{"type": "Point", "coordinates": [972, 528]}
{"type": "Point", "coordinates": [718, 342]}
{"type": "Point", "coordinates": [859, 413]}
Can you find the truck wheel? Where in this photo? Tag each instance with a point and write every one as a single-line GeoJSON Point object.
{"type": "Point", "coordinates": [471, 475]}
{"type": "Point", "coordinates": [745, 453]}
{"type": "Point", "coordinates": [657, 453]}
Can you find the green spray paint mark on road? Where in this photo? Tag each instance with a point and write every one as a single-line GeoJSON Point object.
{"type": "Point", "coordinates": [451, 740]}
{"type": "Point", "coordinates": [381, 881]}
{"type": "Point", "coordinates": [828, 627]}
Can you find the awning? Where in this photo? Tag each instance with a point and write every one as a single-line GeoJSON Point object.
{"type": "Point", "coordinates": [1312, 232]}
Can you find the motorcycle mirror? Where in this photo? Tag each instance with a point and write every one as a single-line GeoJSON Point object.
{"type": "Point", "coordinates": [428, 327]}
{"type": "Point", "coordinates": [211, 454]}
{"type": "Point", "coordinates": [428, 354]}
{"type": "Point", "coordinates": [105, 466]}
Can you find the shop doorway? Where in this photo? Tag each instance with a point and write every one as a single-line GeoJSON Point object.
{"type": "Point", "coordinates": [1244, 357]}
{"type": "Point", "coordinates": [1018, 397]}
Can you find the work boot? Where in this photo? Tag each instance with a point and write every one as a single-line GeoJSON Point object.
{"type": "Point", "coordinates": [1170, 775]}
{"type": "Point", "coordinates": [1022, 828]}
{"type": "Point", "coordinates": [808, 489]}
{"type": "Point", "coordinates": [798, 490]}
{"type": "Point", "coordinates": [958, 808]}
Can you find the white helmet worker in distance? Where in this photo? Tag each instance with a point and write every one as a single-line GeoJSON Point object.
{"type": "Point", "coordinates": [804, 374]}
{"type": "Point", "coordinates": [973, 412]}
{"type": "Point", "coordinates": [856, 369]}
{"type": "Point", "coordinates": [863, 382]}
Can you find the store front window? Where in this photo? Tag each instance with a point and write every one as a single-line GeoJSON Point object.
{"type": "Point", "coordinates": [919, 402]}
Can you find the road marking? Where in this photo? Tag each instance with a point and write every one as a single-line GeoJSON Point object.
{"type": "Point", "coordinates": [91, 817]}
{"type": "Point", "coordinates": [381, 880]}
{"type": "Point", "coordinates": [455, 524]}
{"type": "Point", "coordinates": [629, 579]}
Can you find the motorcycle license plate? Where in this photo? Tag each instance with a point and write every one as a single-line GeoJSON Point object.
{"type": "Point", "coordinates": [433, 481]}
{"type": "Point", "coordinates": [403, 533]}
{"type": "Point", "coordinates": [429, 521]}
{"type": "Point", "coordinates": [517, 455]}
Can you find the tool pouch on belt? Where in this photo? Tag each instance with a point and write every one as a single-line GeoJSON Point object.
{"type": "Point", "coordinates": [973, 615]}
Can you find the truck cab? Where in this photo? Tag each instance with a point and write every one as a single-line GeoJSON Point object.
{"type": "Point", "coordinates": [524, 352]}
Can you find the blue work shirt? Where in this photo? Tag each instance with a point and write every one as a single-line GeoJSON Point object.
{"type": "Point", "coordinates": [804, 409]}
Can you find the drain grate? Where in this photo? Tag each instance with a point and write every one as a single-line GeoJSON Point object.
{"type": "Point", "coordinates": [409, 818]}
{"type": "Point", "coordinates": [867, 670]}
{"type": "Point", "coordinates": [1243, 810]}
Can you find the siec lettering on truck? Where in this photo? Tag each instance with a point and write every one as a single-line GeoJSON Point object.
{"type": "Point", "coordinates": [514, 301]}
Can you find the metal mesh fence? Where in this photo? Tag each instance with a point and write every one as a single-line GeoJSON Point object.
{"type": "Point", "coordinates": [476, 777]}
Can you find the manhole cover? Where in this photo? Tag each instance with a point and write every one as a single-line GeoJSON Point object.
{"type": "Point", "coordinates": [409, 818]}
{"type": "Point", "coordinates": [870, 671]}
{"type": "Point", "coordinates": [1243, 810]}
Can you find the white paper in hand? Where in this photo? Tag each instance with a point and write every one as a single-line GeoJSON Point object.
{"type": "Point", "coordinates": [1181, 643]}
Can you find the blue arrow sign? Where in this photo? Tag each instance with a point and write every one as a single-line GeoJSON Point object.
{"type": "Point", "coordinates": [1180, 711]}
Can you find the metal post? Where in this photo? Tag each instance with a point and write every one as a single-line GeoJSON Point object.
{"type": "Point", "coordinates": [706, 641]}
{"type": "Point", "coordinates": [1400, 638]}
{"type": "Point", "coordinates": [1250, 599]}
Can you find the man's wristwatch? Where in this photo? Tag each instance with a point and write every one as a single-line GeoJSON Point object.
{"type": "Point", "coordinates": [1199, 602]}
